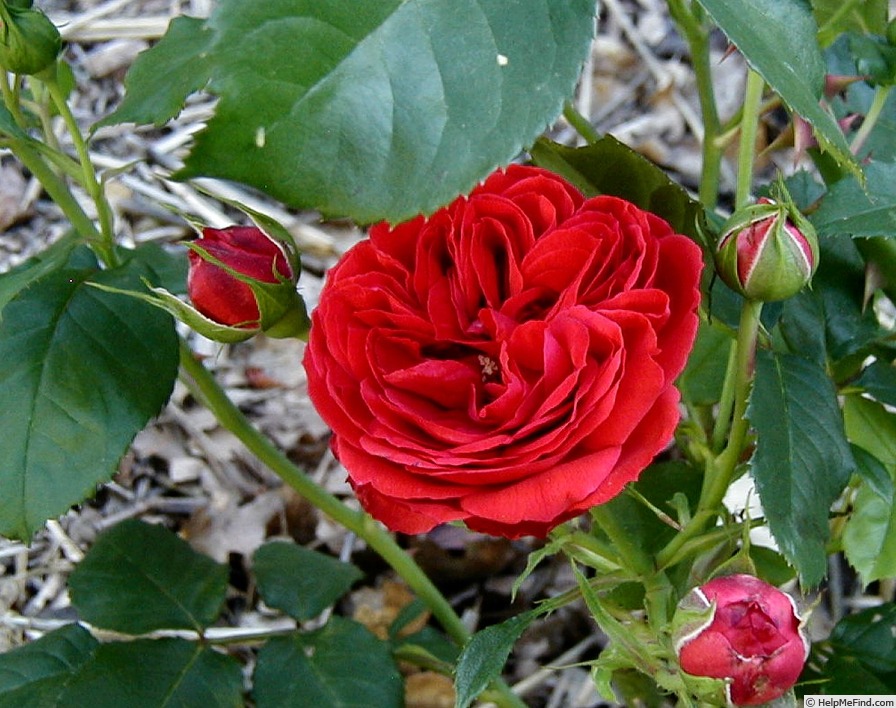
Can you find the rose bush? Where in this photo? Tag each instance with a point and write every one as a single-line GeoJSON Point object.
{"type": "Point", "coordinates": [753, 638]}
{"type": "Point", "coordinates": [508, 361]}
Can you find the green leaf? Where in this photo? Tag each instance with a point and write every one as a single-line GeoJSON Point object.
{"type": "Point", "coordinates": [778, 40]}
{"type": "Point", "coordinates": [872, 427]}
{"type": "Point", "coordinates": [868, 635]}
{"type": "Point", "coordinates": [657, 484]}
{"type": "Point", "coordinates": [36, 674]}
{"type": "Point", "coordinates": [299, 581]}
{"type": "Point", "coordinates": [611, 167]}
{"type": "Point", "coordinates": [802, 459]}
{"type": "Point", "coordinates": [873, 472]}
{"type": "Point", "coordinates": [52, 258]}
{"type": "Point", "coordinates": [879, 380]}
{"type": "Point", "coordinates": [484, 656]}
{"type": "Point", "coordinates": [159, 82]}
{"type": "Point", "coordinates": [702, 380]}
{"type": "Point", "coordinates": [374, 109]}
{"type": "Point", "coordinates": [87, 369]}
{"type": "Point", "coordinates": [140, 577]}
{"type": "Point", "coordinates": [849, 209]}
{"type": "Point", "coordinates": [875, 58]}
{"type": "Point", "coordinates": [869, 537]}
{"type": "Point", "coordinates": [342, 665]}
{"type": "Point", "coordinates": [161, 673]}
{"type": "Point", "coordinates": [865, 16]}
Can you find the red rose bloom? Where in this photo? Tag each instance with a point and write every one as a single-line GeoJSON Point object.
{"type": "Point", "coordinates": [508, 361]}
{"type": "Point", "coordinates": [248, 251]}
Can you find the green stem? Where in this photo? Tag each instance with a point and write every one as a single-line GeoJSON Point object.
{"type": "Point", "coordinates": [656, 584]}
{"type": "Point", "coordinates": [89, 178]}
{"type": "Point", "coordinates": [749, 126]}
{"type": "Point", "coordinates": [697, 36]}
{"type": "Point", "coordinates": [726, 403]}
{"type": "Point", "coordinates": [720, 470]}
{"type": "Point", "coordinates": [57, 191]}
{"type": "Point", "coordinates": [846, 6]}
{"type": "Point", "coordinates": [11, 99]}
{"type": "Point", "coordinates": [581, 124]}
{"type": "Point", "coordinates": [203, 384]}
{"type": "Point", "coordinates": [871, 118]}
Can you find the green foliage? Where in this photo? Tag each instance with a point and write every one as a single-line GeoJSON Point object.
{"type": "Point", "coordinates": [853, 210]}
{"type": "Point", "coordinates": [802, 460]}
{"type": "Point", "coordinates": [342, 665]}
{"type": "Point", "coordinates": [861, 652]}
{"type": "Point", "coordinates": [157, 672]}
{"type": "Point", "coordinates": [37, 674]}
{"type": "Point", "coordinates": [611, 167]}
{"type": "Point", "coordinates": [485, 655]}
{"type": "Point", "coordinates": [300, 582]}
{"type": "Point", "coordinates": [701, 381]}
{"type": "Point", "coordinates": [87, 369]}
{"type": "Point", "coordinates": [865, 16]}
{"type": "Point", "coordinates": [371, 109]}
{"type": "Point", "coordinates": [869, 538]}
{"type": "Point", "coordinates": [140, 577]}
{"type": "Point", "coordinates": [778, 40]}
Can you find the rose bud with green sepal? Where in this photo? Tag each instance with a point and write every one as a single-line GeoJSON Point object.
{"type": "Point", "coordinates": [29, 41]}
{"type": "Point", "coordinates": [741, 629]}
{"type": "Point", "coordinates": [768, 251]}
{"type": "Point", "coordinates": [242, 278]}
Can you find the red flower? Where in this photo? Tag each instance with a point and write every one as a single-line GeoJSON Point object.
{"type": "Point", "coordinates": [753, 639]}
{"type": "Point", "coordinates": [508, 361]}
{"type": "Point", "coordinates": [248, 251]}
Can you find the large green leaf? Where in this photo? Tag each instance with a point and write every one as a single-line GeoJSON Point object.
{"type": "Point", "coordinates": [36, 675]}
{"type": "Point", "coordinates": [372, 109]}
{"type": "Point", "coordinates": [855, 211]}
{"type": "Point", "coordinates": [778, 40]}
{"type": "Point", "coordinates": [342, 665]}
{"type": "Point", "coordinates": [140, 577]}
{"type": "Point", "coordinates": [299, 581]}
{"type": "Point", "coordinates": [156, 673]}
{"type": "Point", "coordinates": [83, 372]}
{"type": "Point", "coordinates": [611, 167]}
{"type": "Point", "coordinates": [802, 459]}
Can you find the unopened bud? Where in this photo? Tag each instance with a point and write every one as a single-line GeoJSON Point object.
{"type": "Point", "coordinates": [741, 629]}
{"type": "Point", "coordinates": [29, 41]}
{"type": "Point", "coordinates": [767, 252]}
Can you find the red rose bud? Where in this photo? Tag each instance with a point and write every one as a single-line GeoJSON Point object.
{"type": "Point", "coordinates": [242, 278]}
{"type": "Point", "coordinates": [767, 252]}
{"type": "Point", "coordinates": [29, 41]}
{"type": "Point", "coordinates": [745, 631]}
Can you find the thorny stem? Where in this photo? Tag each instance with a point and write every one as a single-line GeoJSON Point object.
{"type": "Point", "coordinates": [690, 22]}
{"type": "Point", "coordinates": [720, 469]}
{"type": "Point", "coordinates": [203, 385]}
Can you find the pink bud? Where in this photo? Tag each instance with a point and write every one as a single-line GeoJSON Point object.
{"type": "Point", "coordinates": [767, 252]}
{"type": "Point", "coordinates": [246, 250]}
{"type": "Point", "coordinates": [752, 638]}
